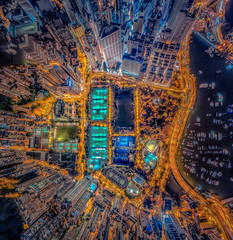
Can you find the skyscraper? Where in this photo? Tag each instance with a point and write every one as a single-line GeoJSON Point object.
{"type": "Point", "coordinates": [176, 22]}
{"type": "Point", "coordinates": [112, 46]}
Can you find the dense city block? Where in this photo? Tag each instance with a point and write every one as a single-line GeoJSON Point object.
{"type": "Point", "coordinates": [116, 119]}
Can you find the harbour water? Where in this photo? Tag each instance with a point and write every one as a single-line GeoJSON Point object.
{"type": "Point", "coordinates": [206, 151]}
{"type": "Point", "coordinates": [229, 12]}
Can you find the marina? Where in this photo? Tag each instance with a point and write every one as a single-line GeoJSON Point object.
{"type": "Point", "coordinates": [205, 156]}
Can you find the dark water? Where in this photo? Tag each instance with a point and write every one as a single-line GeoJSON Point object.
{"type": "Point", "coordinates": [124, 109]}
{"type": "Point", "coordinates": [206, 153]}
{"type": "Point", "coordinates": [229, 12]}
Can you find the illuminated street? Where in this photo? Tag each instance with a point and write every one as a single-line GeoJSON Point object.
{"type": "Point", "coordinates": [115, 120]}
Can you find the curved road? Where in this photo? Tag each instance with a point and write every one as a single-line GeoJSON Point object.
{"type": "Point", "coordinates": [216, 210]}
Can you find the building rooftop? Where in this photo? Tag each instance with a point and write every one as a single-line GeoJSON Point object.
{"type": "Point", "coordinates": [109, 30]}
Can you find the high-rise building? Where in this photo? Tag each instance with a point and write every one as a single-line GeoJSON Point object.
{"type": "Point", "coordinates": [13, 130]}
{"type": "Point", "coordinates": [22, 23]}
{"type": "Point", "coordinates": [176, 24]}
{"type": "Point", "coordinates": [132, 59]}
{"type": "Point", "coordinates": [45, 5]}
{"type": "Point", "coordinates": [33, 50]}
{"type": "Point", "coordinates": [173, 230]}
{"type": "Point", "coordinates": [130, 66]}
{"type": "Point", "coordinates": [112, 46]}
{"type": "Point", "coordinates": [13, 84]}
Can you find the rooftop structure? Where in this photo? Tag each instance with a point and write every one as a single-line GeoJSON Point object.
{"type": "Point", "coordinates": [40, 138]}
{"type": "Point", "coordinates": [131, 66]}
{"type": "Point", "coordinates": [63, 160]}
{"type": "Point", "coordinates": [63, 110]}
{"type": "Point", "coordinates": [172, 228]}
{"type": "Point", "coordinates": [112, 45]}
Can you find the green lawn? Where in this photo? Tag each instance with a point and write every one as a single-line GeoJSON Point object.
{"type": "Point", "coordinates": [66, 133]}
